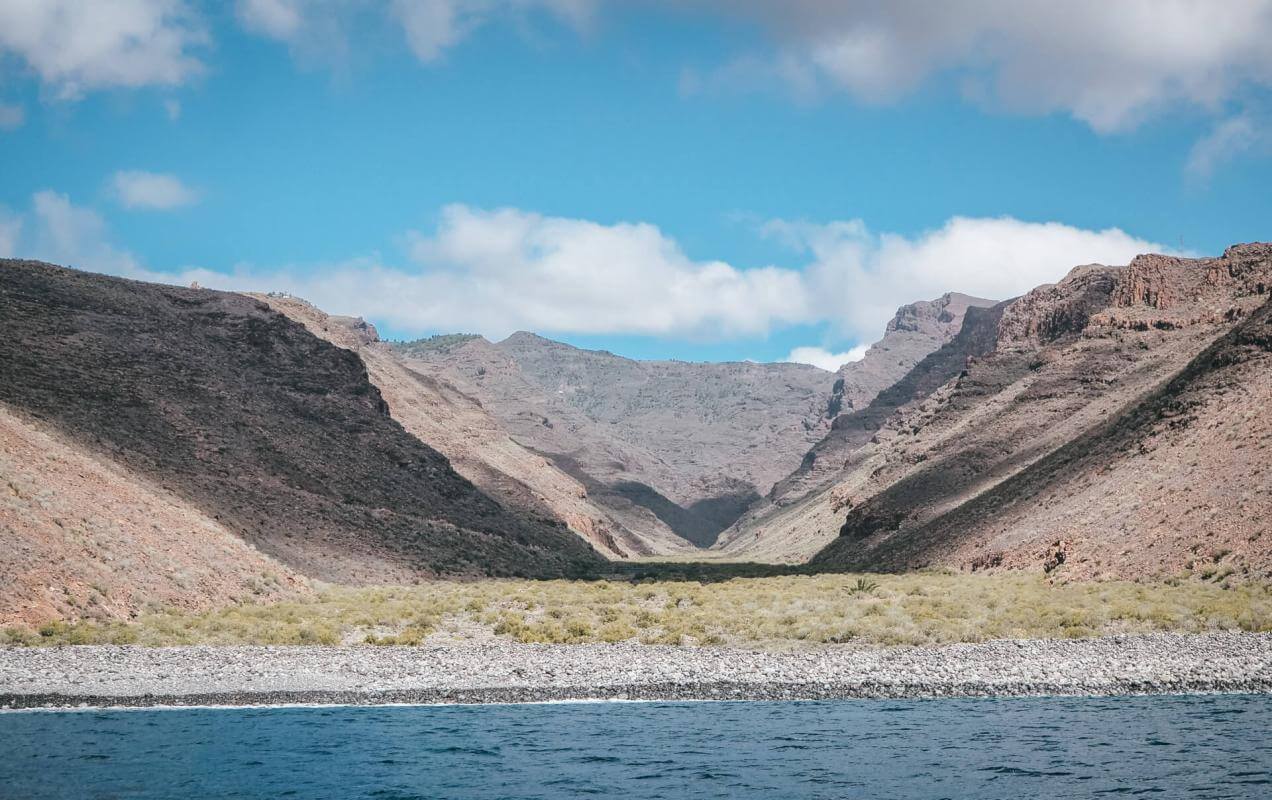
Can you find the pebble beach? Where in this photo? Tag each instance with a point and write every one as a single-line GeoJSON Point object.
{"type": "Point", "coordinates": [508, 672]}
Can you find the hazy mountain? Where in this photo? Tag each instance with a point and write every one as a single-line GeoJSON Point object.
{"type": "Point", "coordinates": [692, 443]}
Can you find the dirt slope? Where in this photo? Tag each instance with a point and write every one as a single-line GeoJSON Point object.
{"type": "Point", "coordinates": [1180, 481]}
{"type": "Point", "coordinates": [84, 537]}
{"type": "Point", "coordinates": [772, 530]}
{"type": "Point", "coordinates": [270, 431]}
{"type": "Point", "coordinates": [1069, 359]}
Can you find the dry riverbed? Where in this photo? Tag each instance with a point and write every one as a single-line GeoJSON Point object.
{"type": "Point", "coordinates": [502, 671]}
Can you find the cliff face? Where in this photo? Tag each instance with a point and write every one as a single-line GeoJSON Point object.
{"type": "Point", "coordinates": [275, 435]}
{"type": "Point", "coordinates": [917, 330]}
{"type": "Point", "coordinates": [1177, 482]}
{"type": "Point", "coordinates": [1058, 440]}
{"type": "Point", "coordinates": [768, 531]}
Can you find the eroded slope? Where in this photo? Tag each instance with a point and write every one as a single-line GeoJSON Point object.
{"type": "Point", "coordinates": [270, 431]}
{"type": "Point", "coordinates": [457, 425]}
{"type": "Point", "coordinates": [82, 537]}
{"type": "Point", "coordinates": [1071, 363]}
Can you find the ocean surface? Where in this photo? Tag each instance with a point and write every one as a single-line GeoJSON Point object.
{"type": "Point", "coordinates": [1219, 746]}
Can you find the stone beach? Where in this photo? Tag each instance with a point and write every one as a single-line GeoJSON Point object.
{"type": "Point", "coordinates": [496, 671]}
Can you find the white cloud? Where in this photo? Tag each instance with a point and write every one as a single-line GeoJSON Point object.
{"type": "Point", "coordinates": [172, 107]}
{"type": "Point", "coordinates": [137, 189]}
{"type": "Point", "coordinates": [1110, 65]}
{"type": "Point", "coordinates": [75, 46]}
{"type": "Point", "coordinates": [494, 272]}
{"type": "Point", "coordinates": [860, 278]}
{"type": "Point", "coordinates": [433, 26]}
{"type": "Point", "coordinates": [11, 117]}
{"type": "Point", "coordinates": [825, 359]}
{"type": "Point", "coordinates": [317, 29]}
{"type": "Point", "coordinates": [1228, 139]}
{"type": "Point", "coordinates": [278, 19]}
{"type": "Point", "coordinates": [500, 271]}
{"type": "Point", "coordinates": [66, 234]}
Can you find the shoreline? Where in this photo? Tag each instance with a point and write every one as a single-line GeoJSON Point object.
{"type": "Point", "coordinates": [500, 672]}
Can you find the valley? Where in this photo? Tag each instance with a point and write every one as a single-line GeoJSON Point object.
{"type": "Point", "coordinates": [1110, 426]}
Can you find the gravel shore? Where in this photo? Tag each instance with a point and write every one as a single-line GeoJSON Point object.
{"type": "Point", "coordinates": [506, 672]}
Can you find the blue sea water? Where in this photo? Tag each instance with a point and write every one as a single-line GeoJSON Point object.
{"type": "Point", "coordinates": [1195, 746]}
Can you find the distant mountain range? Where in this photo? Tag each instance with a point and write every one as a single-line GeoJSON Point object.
{"type": "Point", "coordinates": [186, 446]}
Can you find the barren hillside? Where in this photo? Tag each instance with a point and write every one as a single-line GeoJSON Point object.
{"type": "Point", "coordinates": [458, 426]}
{"type": "Point", "coordinates": [917, 330]}
{"type": "Point", "coordinates": [1066, 360]}
{"type": "Point", "coordinates": [82, 536]}
{"type": "Point", "coordinates": [692, 443]}
{"type": "Point", "coordinates": [243, 415]}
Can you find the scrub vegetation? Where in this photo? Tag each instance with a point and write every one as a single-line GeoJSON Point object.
{"type": "Point", "coordinates": [767, 612]}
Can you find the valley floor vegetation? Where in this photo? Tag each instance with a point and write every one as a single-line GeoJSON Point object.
{"type": "Point", "coordinates": [783, 612]}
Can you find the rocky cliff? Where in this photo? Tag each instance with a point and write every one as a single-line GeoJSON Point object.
{"type": "Point", "coordinates": [916, 330]}
{"type": "Point", "coordinates": [961, 477]}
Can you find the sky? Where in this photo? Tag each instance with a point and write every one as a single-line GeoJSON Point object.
{"type": "Point", "coordinates": [696, 180]}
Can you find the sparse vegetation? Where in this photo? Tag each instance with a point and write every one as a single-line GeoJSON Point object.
{"type": "Point", "coordinates": [442, 342]}
{"type": "Point", "coordinates": [769, 612]}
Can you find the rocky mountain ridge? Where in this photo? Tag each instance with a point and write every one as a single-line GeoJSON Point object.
{"type": "Point", "coordinates": [189, 447]}
{"type": "Point", "coordinates": [943, 481]}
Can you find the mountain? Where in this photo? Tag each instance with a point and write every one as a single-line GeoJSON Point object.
{"type": "Point", "coordinates": [1113, 424]}
{"type": "Point", "coordinates": [458, 426]}
{"type": "Point", "coordinates": [243, 418]}
{"type": "Point", "coordinates": [691, 445]}
{"type": "Point", "coordinates": [911, 335]}
{"type": "Point", "coordinates": [825, 462]}
{"type": "Point", "coordinates": [925, 345]}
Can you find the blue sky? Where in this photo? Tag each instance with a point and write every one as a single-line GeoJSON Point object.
{"type": "Point", "coordinates": [719, 183]}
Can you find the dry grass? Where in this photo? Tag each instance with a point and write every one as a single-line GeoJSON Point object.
{"type": "Point", "coordinates": [773, 612]}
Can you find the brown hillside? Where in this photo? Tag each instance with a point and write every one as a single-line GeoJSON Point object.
{"type": "Point", "coordinates": [690, 445]}
{"type": "Point", "coordinates": [83, 537]}
{"type": "Point", "coordinates": [458, 426]}
{"type": "Point", "coordinates": [1076, 367]}
{"type": "Point", "coordinates": [270, 431]}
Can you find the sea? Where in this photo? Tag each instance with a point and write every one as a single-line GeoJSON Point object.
{"type": "Point", "coordinates": [1164, 747]}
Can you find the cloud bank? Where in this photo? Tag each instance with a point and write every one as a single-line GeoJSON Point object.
{"type": "Point", "coordinates": [498, 271]}
{"type": "Point", "coordinates": [1110, 65]}
{"type": "Point", "coordinates": [319, 28]}
{"type": "Point", "coordinates": [76, 46]}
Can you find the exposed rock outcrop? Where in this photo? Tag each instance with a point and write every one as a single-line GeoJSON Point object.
{"type": "Point", "coordinates": [1121, 422]}
{"type": "Point", "coordinates": [917, 330]}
